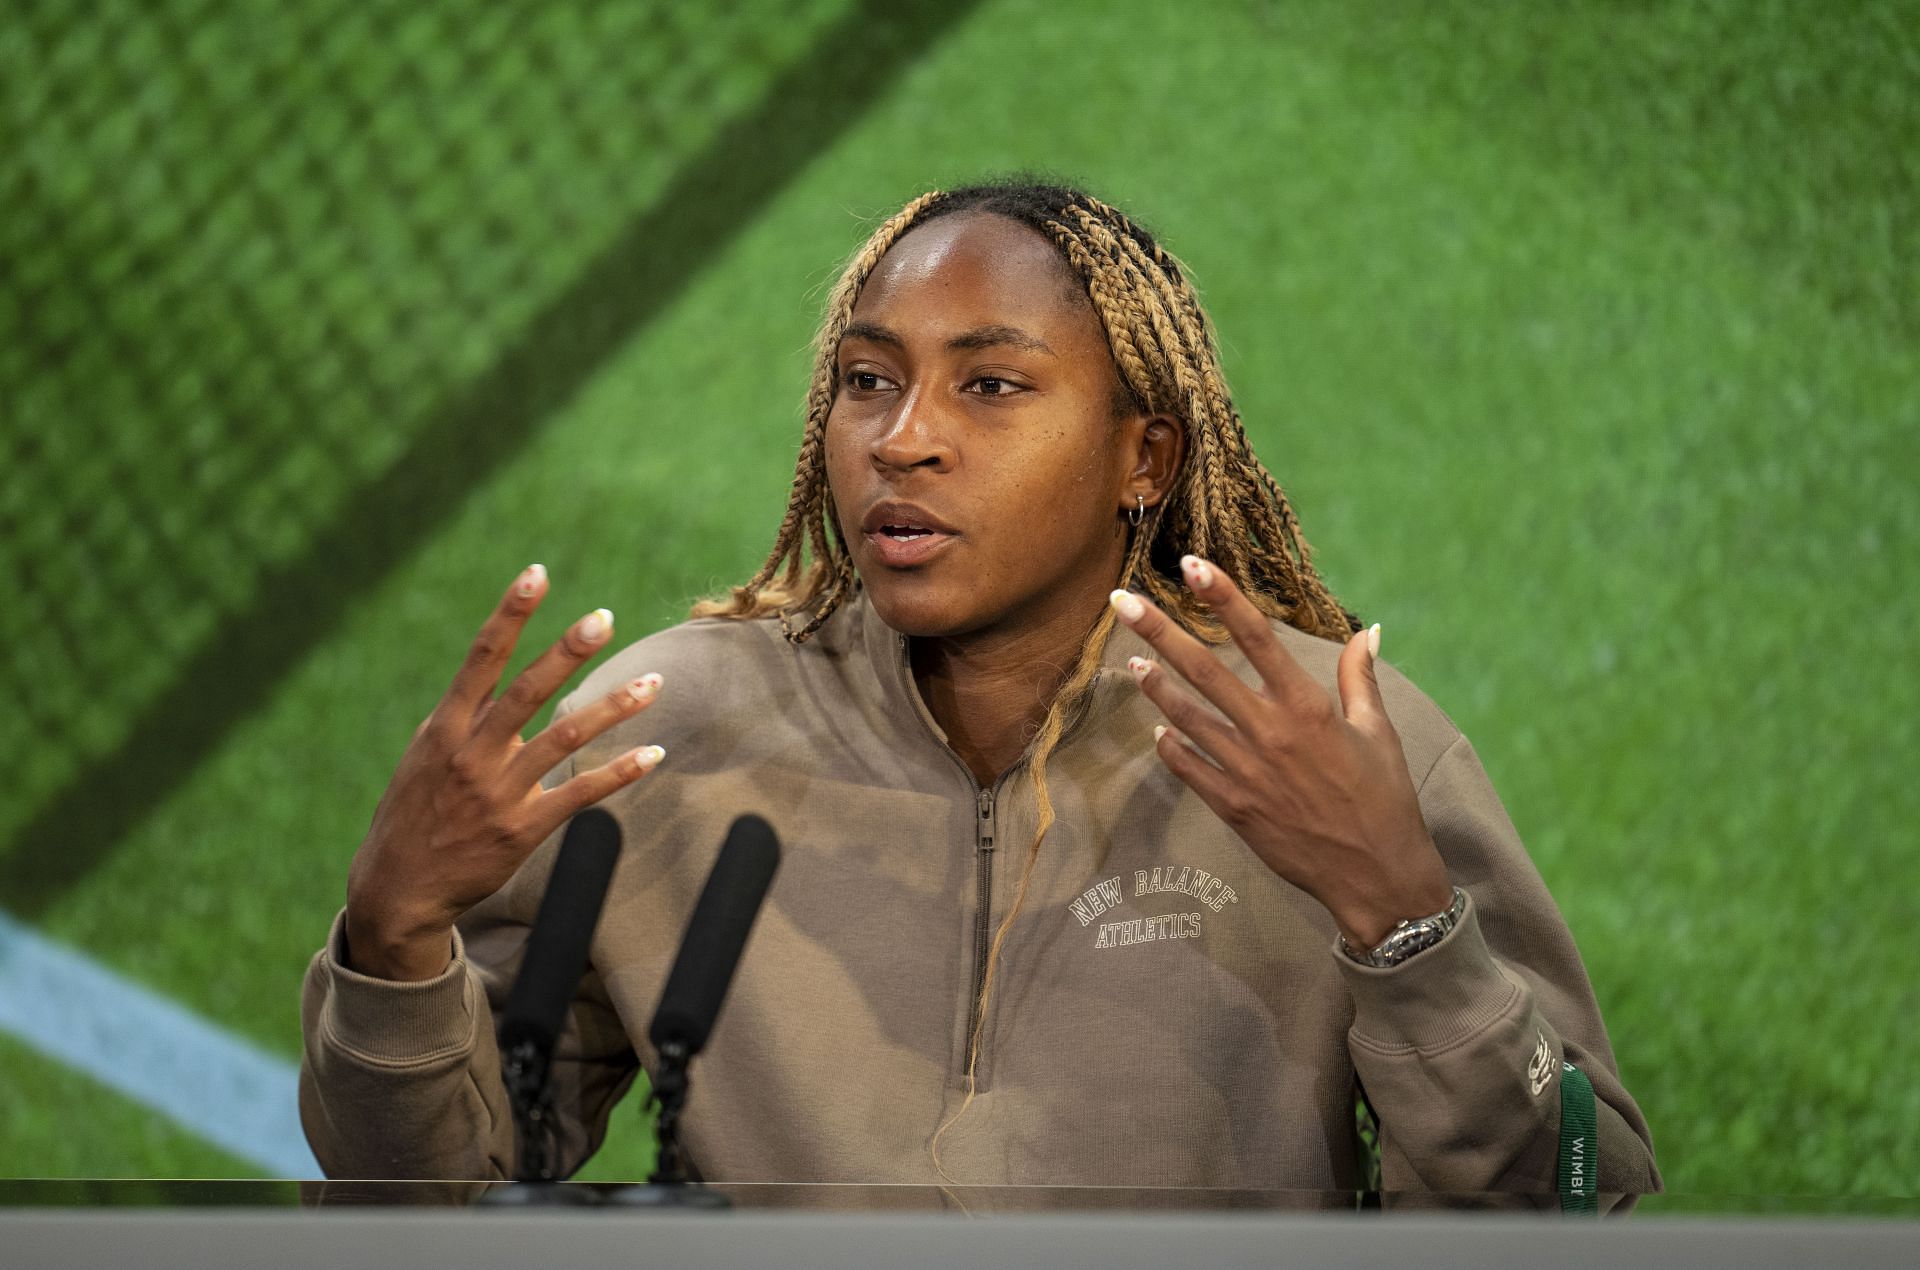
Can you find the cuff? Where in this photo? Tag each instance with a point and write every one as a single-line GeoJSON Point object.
{"type": "Point", "coordinates": [392, 1023]}
{"type": "Point", "coordinates": [1438, 997]}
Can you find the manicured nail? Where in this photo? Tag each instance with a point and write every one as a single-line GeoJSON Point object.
{"type": "Point", "coordinates": [1199, 572]}
{"type": "Point", "coordinates": [1373, 640]}
{"type": "Point", "coordinates": [1139, 666]}
{"type": "Point", "coordinates": [1159, 730]}
{"type": "Point", "coordinates": [596, 626]}
{"type": "Point", "coordinates": [644, 688]}
{"type": "Point", "coordinates": [530, 578]}
{"type": "Point", "coordinates": [648, 757]}
{"type": "Point", "coordinates": [1127, 605]}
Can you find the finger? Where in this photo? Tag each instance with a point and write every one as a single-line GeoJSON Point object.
{"type": "Point", "coordinates": [493, 646]}
{"type": "Point", "coordinates": [566, 734]}
{"type": "Point", "coordinates": [1284, 677]}
{"type": "Point", "coordinates": [1195, 662]}
{"type": "Point", "coordinates": [569, 799]}
{"type": "Point", "coordinates": [1360, 684]}
{"type": "Point", "coordinates": [1186, 712]}
{"type": "Point", "coordinates": [531, 687]}
{"type": "Point", "coordinates": [1218, 790]}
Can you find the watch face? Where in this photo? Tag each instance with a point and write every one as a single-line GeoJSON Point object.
{"type": "Point", "coordinates": [1410, 942]}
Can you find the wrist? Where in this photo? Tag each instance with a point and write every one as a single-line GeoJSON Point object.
{"type": "Point", "coordinates": [403, 952]}
{"type": "Point", "coordinates": [1368, 915]}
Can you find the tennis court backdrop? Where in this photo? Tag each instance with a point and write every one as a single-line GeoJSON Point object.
{"type": "Point", "coordinates": [1584, 336]}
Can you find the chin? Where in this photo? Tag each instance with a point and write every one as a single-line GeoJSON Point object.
{"type": "Point", "coordinates": [915, 605]}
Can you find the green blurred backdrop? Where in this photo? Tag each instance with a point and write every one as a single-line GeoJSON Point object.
{"type": "Point", "coordinates": [1584, 336]}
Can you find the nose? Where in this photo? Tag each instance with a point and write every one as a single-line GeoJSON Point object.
{"type": "Point", "coordinates": [914, 436]}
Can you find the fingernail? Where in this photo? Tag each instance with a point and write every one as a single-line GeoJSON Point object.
{"type": "Point", "coordinates": [1373, 640]}
{"type": "Point", "coordinates": [1127, 605]}
{"type": "Point", "coordinates": [1199, 572]}
{"type": "Point", "coordinates": [529, 581]}
{"type": "Point", "coordinates": [644, 688]}
{"type": "Point", "coordinates": [1159, 730]}
{"type": "Point", "coordinates": [1139, 666]}
{"type": "Point", "coordinates": [648, 757]}
{"type": "Point", "coordinates": [596, 625]}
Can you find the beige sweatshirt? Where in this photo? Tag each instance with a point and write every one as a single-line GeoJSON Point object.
{"type": "Point", "coordinates": [1168, 1012]}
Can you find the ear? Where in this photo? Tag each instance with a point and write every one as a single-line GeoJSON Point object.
{"type": "Point", "coordinates": [1157, 448]}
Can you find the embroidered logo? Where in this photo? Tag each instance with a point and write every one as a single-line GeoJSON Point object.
{"type": "Point", "coordinates": [1210, 892]}
{"type": "Point", "coordinates": [1540, 1069]}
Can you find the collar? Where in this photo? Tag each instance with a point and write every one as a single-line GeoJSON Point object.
{"type": "Point", "coordinates": [886, 653]}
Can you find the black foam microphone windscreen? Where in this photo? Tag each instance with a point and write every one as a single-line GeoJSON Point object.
{"type": "Point", "coordinates": [716, 933]}
{"type": "Point", "coordinates": [562, 933]}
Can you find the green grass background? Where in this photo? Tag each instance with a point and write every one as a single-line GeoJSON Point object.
{"type": "Point", "coordinates": [1584, 337]}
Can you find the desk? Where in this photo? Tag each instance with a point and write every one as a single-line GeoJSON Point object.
{"type": "Point", "coordinates": [297, 1226]}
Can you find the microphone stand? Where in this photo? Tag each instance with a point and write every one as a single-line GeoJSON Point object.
{"type": "Point", "coordinates": [532, 1098]}
{"type": "Point", "coordinates": [670, 1187]}
{"type": "Point", "coordinates": [670, 1096]}
{"type": "Point", "coordinates": [523, 1069]}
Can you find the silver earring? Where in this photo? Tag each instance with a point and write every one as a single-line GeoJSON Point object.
{"type": "Point", "coordinates": [1139, 512]}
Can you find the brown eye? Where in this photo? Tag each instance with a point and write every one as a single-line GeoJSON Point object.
{"type": "Point", "coordinates": [863, 380]}
{"type": "Point", "coordinates": [996, 386]}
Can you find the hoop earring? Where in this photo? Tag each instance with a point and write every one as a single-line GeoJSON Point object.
{"type": "Point", "coordinates": [1139, 512]}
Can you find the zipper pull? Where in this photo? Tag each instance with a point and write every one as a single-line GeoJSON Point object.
{"type": "Point", "coordinates": [986, 820]}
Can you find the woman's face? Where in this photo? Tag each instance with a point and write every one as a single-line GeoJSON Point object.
{"type": "Point", "coordinates": [978, 468]}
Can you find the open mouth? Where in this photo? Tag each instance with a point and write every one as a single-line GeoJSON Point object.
{"type": "Point", "coordinates": [904, 536]}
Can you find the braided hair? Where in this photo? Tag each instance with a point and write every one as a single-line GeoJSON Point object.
{"type": "Point", "coordinates": [1226, 506]}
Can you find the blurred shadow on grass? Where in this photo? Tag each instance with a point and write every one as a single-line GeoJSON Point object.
{"type": "Point", "coordinates": [467, 438]}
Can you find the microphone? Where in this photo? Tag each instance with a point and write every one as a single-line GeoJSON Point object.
{"type": "Point", "coordinates": [716, 934]}
{"type": "Point", "coordinates": [709, 953]}
{"type": "Point", "coordinates": [556, 957]}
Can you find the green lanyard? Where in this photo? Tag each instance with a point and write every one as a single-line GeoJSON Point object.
{"type": "Point", "coordinates": [1579, 1143]}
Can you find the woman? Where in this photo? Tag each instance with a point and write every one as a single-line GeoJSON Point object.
{"type": "Point", "coordinates": [1025, 932]}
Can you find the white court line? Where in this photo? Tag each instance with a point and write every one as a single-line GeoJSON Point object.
{"type": "Point", "coordinates": [154, 1051]}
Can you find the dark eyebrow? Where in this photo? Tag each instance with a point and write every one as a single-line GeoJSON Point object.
{"type": "Point", "coordinates": [869, 331]}
{"type": "Point", "coordinates": [988, 336]}
{"type": "Point", "coordinates": [978, 337]}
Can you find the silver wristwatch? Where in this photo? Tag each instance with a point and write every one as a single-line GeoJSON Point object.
{"type": "Point", "coordinates": [1410, 937]}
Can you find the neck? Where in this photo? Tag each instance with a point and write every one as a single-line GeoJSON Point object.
{"type": "Point", "coordinates": [990, 691]}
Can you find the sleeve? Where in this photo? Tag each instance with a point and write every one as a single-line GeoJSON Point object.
{"type": "Point", "coordinates": [402, 1080]}
{"type": "Point", "coordinates": [1460, 1048]}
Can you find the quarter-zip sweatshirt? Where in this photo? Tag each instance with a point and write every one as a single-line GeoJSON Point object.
{"type": "Point", "coordinates": [1167, 1011]}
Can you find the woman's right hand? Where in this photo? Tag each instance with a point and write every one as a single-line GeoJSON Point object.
{"type": "Point", "coordinates": [465, 808]}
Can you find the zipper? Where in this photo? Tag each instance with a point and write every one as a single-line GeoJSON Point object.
{"type": "Point", "coordinates": [983, 837]}
{"type": "Point", "coordinates": [983, 919]}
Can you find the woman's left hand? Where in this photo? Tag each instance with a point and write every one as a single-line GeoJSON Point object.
{"type": "Point", "coordinates": [1320, 791]}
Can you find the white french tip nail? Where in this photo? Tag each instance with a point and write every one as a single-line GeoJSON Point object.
{"type": "Point", "coordinates": [596, 625]}
{"type": "Point", "coordinates": [1373, 640]}
{"type": "Point", "coordinates": [649, 756]}
{"type": "Point", "coordinates": [1199, 572]}
{"type": "Point", "coordinates": [1127, 605]}
{"type": "Point", "coordinates": [1139, 666]}
{"type": "Point", "coordinates": [530, 578]}
{"type": "Point", "coordinates": [1159, 730]}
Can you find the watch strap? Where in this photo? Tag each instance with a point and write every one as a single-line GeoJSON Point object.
{"type": "Point", "coordinates": [1414, 935]}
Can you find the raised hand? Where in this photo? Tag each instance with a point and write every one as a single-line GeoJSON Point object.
{"type": "Point", "coordinates": [465, 807]}
{"type": "Point", "coordinates": [1318, 789]}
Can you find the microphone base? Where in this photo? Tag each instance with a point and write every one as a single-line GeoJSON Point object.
{"type": "Point", "coordinates": [680, 1196]}
{"type": "Point", "coordinates": [540, 1195]}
